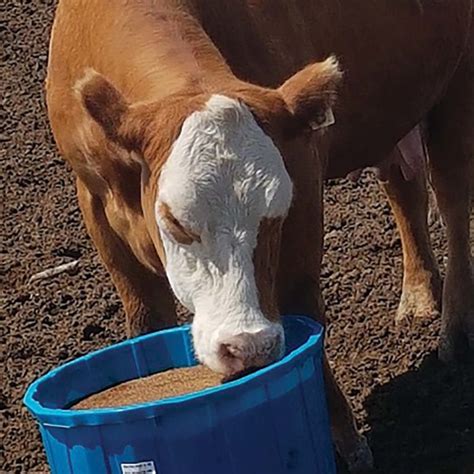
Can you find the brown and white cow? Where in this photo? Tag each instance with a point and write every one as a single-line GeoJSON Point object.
{"type": "Point", "coordinates": [194, 130]}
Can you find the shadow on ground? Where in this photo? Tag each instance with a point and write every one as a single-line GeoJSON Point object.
{"type": "Point", "coordinates": [422, 421]}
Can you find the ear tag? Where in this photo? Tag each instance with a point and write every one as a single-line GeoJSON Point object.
{"type": "Point", "coordinates": [325, 121]}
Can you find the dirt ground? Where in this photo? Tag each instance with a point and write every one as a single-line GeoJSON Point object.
{"type": "Point", "coordinates": [418, 414]}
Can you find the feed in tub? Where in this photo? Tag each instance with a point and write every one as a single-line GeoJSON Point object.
{"type": "Point", "coordinates": [170, 383]}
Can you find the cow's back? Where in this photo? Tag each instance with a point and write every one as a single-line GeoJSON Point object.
{"type": "Point", "coordinates": [397, 58]}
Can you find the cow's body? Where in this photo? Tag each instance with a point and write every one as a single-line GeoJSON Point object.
{"type": "Point", "coordinates": [412, 46]}
{"type": "Point", "coordinates": [398, 59]}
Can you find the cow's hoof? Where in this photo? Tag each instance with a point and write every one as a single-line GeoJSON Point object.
{"type": "Point", "coordinates": [360, 460]}
{"type": "Point", "coordinates": [418, 303]}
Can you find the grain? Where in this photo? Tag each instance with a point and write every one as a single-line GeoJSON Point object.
{"type": "Point", "coordinates": [170, 383]}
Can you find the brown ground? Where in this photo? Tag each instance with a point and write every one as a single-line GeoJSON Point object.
{"type": "Point", "coordinates": [418, 414]}
{"type": "Point", "coordinates": [170, 383]}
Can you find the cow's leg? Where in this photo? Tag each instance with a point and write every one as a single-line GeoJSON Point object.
{"type": "Point", "coordinates": [421, 293]}
{"type": "Point", "coordinates": [146, 297]}
{"type": "Point", "coordinates": [300, 293]}
{"type": "Point", "coordinates": [451, 147]}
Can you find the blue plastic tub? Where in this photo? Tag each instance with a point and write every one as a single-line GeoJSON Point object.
{"type": "Point", "coordinates": [273, 421]}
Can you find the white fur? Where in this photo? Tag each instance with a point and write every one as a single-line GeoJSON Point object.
{"type": "Point", "coordinates": [224, 174]}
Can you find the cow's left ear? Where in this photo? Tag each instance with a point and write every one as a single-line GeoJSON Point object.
{"type": "Point", "coordinates": [311, 93]}
{"type": "Point", "coordinates": [108, 107]}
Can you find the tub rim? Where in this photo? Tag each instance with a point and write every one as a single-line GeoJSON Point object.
{"type": "Point", "coordinates": [68, 418]}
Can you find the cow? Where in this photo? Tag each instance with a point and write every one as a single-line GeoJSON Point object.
{"type": "Point", "coordinates": [200, 135]}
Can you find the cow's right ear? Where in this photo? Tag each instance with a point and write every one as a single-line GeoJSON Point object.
{"type": "Point", "coordinates": [107, 106]}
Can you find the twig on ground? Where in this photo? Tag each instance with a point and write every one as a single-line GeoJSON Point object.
{"type": "Point", "coordinates": [51, 272]}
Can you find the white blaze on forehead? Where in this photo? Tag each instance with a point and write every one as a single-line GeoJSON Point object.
{"type": "Point", "coordinates": [222, 158]}
{"type": "Point", "coordinates": [223, 176]}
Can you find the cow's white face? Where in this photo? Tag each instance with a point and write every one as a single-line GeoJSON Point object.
{"type": "Point", "coordinates": [223, 178]}
{"type": "Point", "coordinates": [222, 195]}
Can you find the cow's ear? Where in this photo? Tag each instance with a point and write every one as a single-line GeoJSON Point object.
{"type": "Point", "coordinates": [107, 106]}
{"type": "Point", "coordinates": [311, 93]}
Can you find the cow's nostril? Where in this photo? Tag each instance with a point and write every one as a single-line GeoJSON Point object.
{"type": "Point", "coordinates": [232, 357]}
{"type": "Point", "coordinates": [249, 351]}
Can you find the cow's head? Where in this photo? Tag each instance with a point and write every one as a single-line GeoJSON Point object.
{"type": "Point", "coordinates": [218, 196]}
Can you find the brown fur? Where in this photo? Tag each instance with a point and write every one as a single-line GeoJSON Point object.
{"type": "Point", "coordinates": [311, 91]}
{"type": "Point", "coordinates": [162, 59]}
{"type": "Point", "coordinates": [266, 265]}
{"type": "Point", "coordinates": [421, 294]}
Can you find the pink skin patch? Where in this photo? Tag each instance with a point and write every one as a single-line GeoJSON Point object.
{"type": "Point", "coordinates": [409, 155]}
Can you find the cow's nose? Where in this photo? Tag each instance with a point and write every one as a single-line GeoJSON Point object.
{"type": "Point", "coordinates": [250, 350]}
